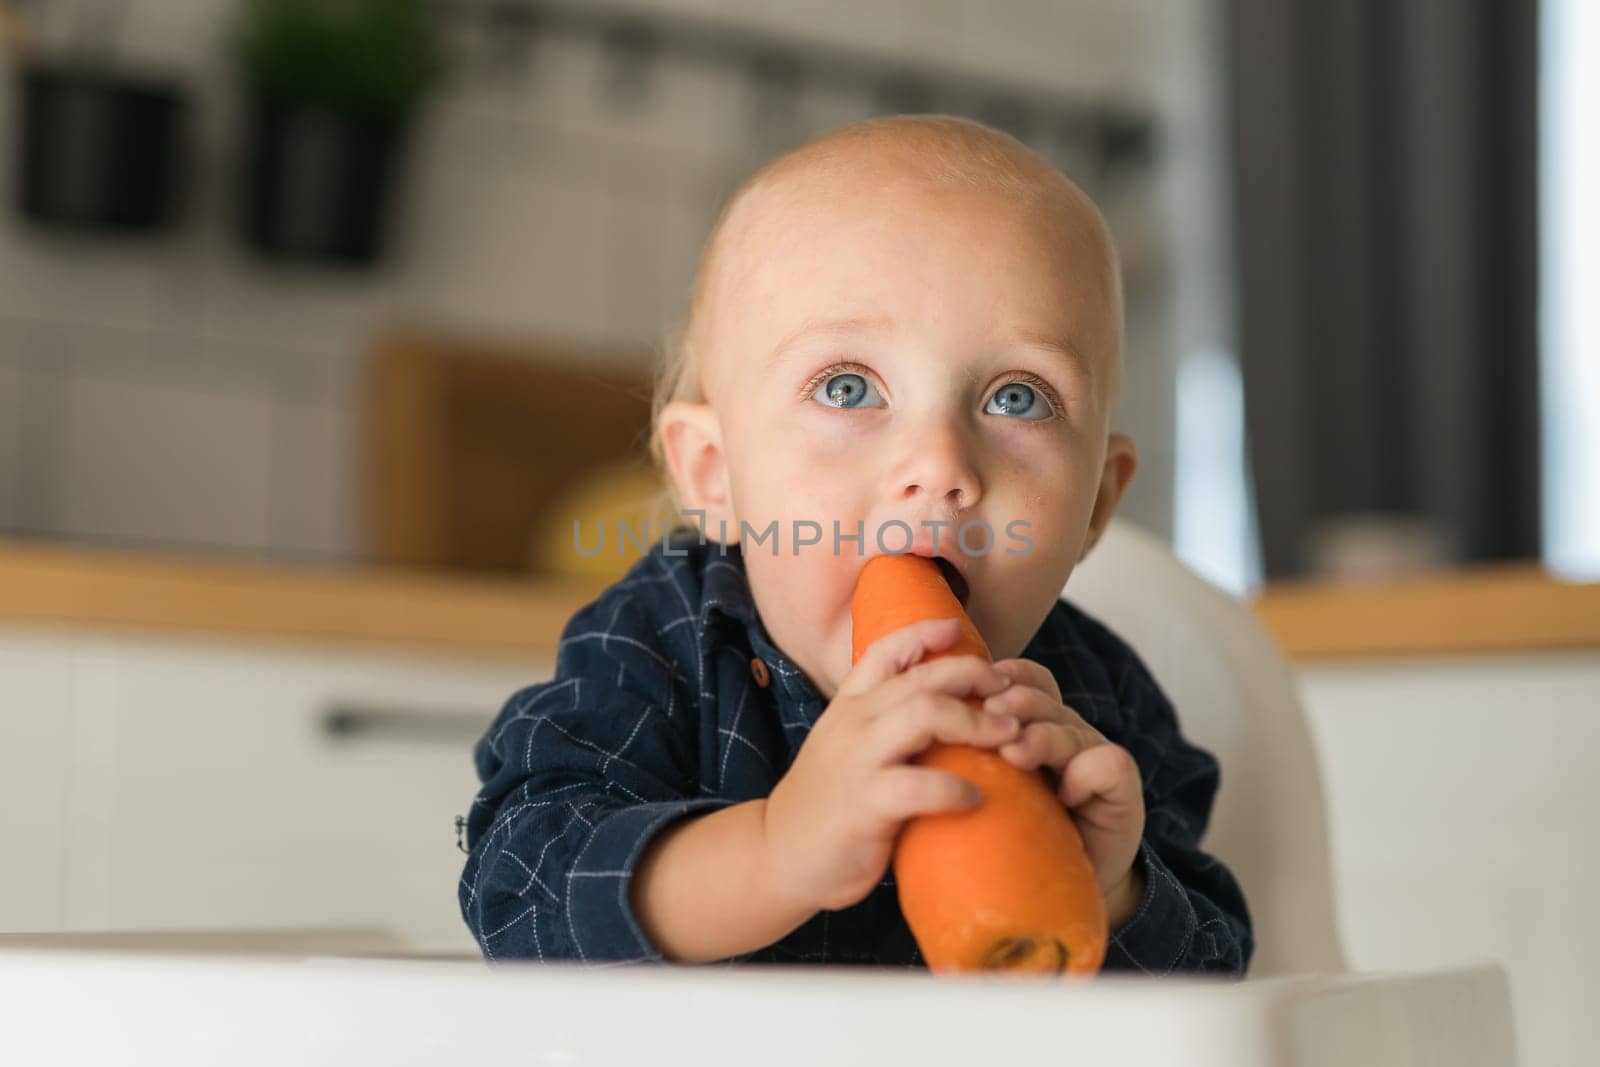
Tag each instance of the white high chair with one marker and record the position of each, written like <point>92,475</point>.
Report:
<point>1236,697</point>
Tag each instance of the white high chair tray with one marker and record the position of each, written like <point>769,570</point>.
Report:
<point>72,1006</point>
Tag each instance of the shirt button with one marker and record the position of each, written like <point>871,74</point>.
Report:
<point>758,671</point>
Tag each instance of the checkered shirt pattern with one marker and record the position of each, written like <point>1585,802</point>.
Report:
<point>654,714</point>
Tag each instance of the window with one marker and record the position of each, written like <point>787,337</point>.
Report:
<point>1569,298</point>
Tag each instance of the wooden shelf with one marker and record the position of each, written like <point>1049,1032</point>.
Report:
<point>497,618</point>
<point>1518,608</point>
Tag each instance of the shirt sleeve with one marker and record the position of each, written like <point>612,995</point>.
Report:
<point>578,775</point>
<point>1193,916</point>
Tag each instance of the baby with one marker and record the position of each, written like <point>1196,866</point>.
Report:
<point>904,335</point>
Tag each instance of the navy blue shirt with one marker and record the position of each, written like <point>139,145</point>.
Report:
<point>659,709</point>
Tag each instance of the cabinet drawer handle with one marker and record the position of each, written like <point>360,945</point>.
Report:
<point>363,722</point>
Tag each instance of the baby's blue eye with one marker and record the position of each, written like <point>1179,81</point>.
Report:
<point>1020,400</point>
<point>845,391</point>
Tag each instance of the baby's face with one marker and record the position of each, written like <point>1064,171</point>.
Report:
<point>894,355</point>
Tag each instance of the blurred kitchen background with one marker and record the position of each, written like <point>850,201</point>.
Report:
<point>201,380</point>
<point>321,321</point>
<point>223,214</point>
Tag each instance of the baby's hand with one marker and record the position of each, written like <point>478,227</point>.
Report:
<point>1097,780</point>
<point>832,820</point>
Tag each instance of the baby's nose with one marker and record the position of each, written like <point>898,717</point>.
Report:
<point>939,469</point>
<point>956,498</point>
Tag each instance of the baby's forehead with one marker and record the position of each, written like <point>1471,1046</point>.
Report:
<point>852,185</point>
<point>796,235</point>
<point>831,199</point>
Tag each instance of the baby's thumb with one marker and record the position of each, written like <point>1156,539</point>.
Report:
<point>895,651</point>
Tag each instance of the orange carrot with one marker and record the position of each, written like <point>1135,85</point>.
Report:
<point>1006,886</point>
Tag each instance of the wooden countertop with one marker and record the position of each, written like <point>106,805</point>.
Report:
<point>495,618</point>
<point>1510,608</point>
<point>1490,609</point>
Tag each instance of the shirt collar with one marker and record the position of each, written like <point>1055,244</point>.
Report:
<point>726,594</point>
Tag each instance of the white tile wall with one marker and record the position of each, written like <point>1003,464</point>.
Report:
<point>10,435</point>
<point>870,27</point>
<point>313,492</point>
<point>686,220</point>
<point>41,357</point>
<point>681,114</point>
<point>635,287</point>
<point>152,460</point>
<point>564,89</point>
<point>938,30</point>
<point>270,306</point>
<point>534,204</point>
<point>59,277</point>
<point>515,257</point>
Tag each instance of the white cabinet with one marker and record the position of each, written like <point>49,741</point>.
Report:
<point>35,739</point>
<point>214,784</point>
<point>1465,812</point>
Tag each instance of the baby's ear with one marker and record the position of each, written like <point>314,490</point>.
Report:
<point>1122,460</point>
<point>691,444</point>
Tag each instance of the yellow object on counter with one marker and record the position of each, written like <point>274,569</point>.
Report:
<point>624,494</point>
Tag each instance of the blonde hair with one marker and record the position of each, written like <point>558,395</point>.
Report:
<point>948,150</point>
<point>676,378</point>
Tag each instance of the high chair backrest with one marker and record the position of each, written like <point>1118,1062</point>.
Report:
<point>1235,696</point>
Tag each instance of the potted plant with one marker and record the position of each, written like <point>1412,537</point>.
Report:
<point>99,145</point>
<point>332,88</point>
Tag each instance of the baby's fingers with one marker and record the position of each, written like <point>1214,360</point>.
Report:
<point>1030,673</point>
<point>927,717</point>
<point>1032,706</point>
<point>1106,783</point>
<point>1047,744</point>
<point>956,676</point>
<point>903,792</point>
<point>892,653</point>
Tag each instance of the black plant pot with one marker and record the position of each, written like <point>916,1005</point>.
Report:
<point>98,149</point>
<point>318,180</point>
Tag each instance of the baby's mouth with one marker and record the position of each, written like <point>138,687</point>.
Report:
<point>953,578</point>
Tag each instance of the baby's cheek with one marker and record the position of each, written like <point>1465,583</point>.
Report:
<point>814,437</point>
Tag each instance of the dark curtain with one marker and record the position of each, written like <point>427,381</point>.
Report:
<point>1385,186</point>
